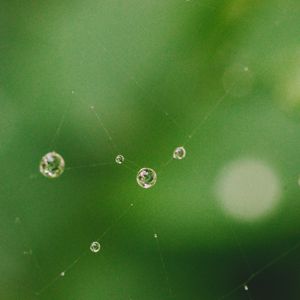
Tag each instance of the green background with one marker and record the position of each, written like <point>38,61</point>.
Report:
<point>227,72</point>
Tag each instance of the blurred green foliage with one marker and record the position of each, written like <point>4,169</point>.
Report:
<point>226,72</point>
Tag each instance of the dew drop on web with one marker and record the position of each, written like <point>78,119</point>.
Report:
<point>146,178</point>
<point>179,153</point>
<point>119,159</point>
<point>95,247</point>
<point>52,165</point>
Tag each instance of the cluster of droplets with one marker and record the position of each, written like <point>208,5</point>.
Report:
<point>52,165</point>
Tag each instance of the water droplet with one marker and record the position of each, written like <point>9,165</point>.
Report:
<point>52,165</point>
<point>179,153</point>
<point>120,159</point>
<point>62,274</point>
<point>146,178</point>
<point>155,235</point>
<point>95,247</point>
<point>246,287</point>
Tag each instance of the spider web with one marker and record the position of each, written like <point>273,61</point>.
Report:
<point>174,241</point>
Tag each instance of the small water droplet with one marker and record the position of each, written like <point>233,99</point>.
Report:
<point>179,153</point>
<point>62,274</point>
<point>146,178</point>
<point>52,165</point>
<point>246,287</point>
<point>120,159</point>
<point>95,247</point>
<point>155,235</point>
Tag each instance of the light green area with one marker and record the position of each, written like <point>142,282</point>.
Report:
<point>221,78</point>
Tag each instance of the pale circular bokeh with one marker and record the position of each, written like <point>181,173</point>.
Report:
<point>248,189</point>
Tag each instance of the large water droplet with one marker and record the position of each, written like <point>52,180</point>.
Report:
<point>52,165</point>
<point>146,178</point>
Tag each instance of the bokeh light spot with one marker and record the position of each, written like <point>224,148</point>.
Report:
<point>248,189</point>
